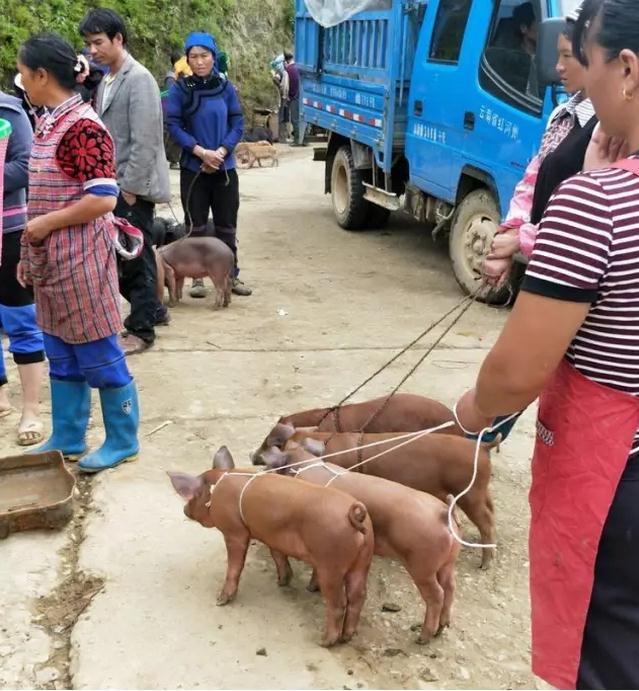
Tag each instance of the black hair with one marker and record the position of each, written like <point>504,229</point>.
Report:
<point>176,54</point>
<point>89,86</point>
<point>52,53</point>
<point>569,29</point>
<point>103,21</point>
<point>524,14</point>
<point>618,27</point>
<point>288,55</point>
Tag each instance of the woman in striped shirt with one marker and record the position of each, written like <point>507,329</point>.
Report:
<point>573,340</point>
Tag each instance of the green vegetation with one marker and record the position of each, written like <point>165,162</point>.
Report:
<point>250,31</point>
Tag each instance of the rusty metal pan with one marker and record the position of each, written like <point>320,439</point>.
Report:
<point>36,492</point>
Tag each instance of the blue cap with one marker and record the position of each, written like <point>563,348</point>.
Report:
<point>202,39</point>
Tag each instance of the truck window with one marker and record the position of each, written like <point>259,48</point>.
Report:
<point>508,68</point>
<point>448,34</point>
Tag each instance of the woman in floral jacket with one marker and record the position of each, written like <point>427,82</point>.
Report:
<point>68,255</point>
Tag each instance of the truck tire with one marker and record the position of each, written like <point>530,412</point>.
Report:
<point>347,192</point>
<point>471,234</point>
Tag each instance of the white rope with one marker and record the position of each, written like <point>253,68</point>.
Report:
<point>242,494</point>
<point>334,472</point>
<point>251,477</point>
<point>407,439</point>
<point>461,495</point>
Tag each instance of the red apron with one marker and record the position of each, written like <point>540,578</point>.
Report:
<point>585,432</point>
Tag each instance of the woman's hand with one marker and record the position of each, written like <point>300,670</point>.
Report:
<point>603,150</point>
<point>37,230</point>
<point>499,261</point>
<point>470,418</point>
<point>21,274</point>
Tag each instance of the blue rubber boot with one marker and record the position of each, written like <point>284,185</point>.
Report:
<point>121,415</point>
<point>70,410</point>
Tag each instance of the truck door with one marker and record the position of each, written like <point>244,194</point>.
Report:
<point>435,137</point>
<point>504,115</point>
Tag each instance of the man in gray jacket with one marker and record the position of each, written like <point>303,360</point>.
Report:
<point>128,101</point>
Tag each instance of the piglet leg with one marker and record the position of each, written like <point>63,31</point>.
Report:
<point>355,596</point>
<point>284,570</point>
<point>446,578</point>
<point>236,548</point>
<point>433,595</point>
<point>332,587</point>
<point>170,281</point>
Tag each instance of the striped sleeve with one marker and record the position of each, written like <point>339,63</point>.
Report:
<point>573,245</point>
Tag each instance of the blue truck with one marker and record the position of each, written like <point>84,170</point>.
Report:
<point>433,107</point>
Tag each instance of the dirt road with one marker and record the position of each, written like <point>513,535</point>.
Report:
<point>125,597</point>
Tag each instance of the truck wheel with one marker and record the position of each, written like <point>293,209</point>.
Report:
<point>471,234</point>
<point>349,205</point>
<point>377,217</point>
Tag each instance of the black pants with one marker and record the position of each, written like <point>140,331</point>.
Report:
<point>17,313</point>
<point>218,193</point>
<point>138,278</point>
<point>610,651</point>
<point>12,294</point>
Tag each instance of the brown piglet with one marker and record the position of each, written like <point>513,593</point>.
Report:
<point>439,464</point>
<point>409,526</point>
<point>403,412</point>
<point>196,257</point>
<point>324,527</point>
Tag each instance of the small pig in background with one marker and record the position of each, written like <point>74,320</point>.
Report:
<point>324,527</point>
<point>409,525</point>
<point>195,257</point>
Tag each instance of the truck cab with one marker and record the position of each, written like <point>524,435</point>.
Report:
<point>433,107</point>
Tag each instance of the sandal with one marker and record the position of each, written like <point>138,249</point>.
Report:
<point>31,434</point>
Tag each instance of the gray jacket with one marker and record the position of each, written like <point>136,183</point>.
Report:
<point>132,112</point>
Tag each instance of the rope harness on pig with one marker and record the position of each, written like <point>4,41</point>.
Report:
<point>320,464</point>
<point>404,439</point>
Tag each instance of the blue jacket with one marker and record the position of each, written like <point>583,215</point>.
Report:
<point>205,112</point>
<point>16,168</point>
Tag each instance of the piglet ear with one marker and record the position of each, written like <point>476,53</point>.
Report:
<point>280,434</point>
<point>314,446</point>
<point>187,486</point>
<point>223,459</point>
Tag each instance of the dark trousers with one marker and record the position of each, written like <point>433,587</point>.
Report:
<point>610,651</point>
<point>17,311</point>
<point>12,294</point>
<point>216,193</point>
<point>138,277</point>
<point>294,107</point>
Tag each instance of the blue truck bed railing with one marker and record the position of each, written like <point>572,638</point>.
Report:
<point>354,78</point>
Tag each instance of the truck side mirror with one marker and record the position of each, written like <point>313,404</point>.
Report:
<point>547,55</point>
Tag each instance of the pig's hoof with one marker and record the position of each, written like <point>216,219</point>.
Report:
<point>312,586</point>
<point>224,599</point>
<point>329,641</point>
<point>286,579</point>
<point>424,639</point>
<point>440,630</point>
<point>173,303</point>
<point>346,637</point>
